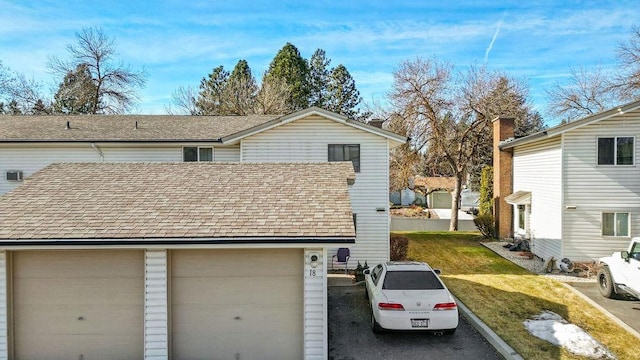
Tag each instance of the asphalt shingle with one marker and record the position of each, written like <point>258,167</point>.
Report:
<point>123,127</point>
<point>178,200</point>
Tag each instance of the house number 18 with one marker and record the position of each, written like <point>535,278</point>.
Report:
<point>312,272</point>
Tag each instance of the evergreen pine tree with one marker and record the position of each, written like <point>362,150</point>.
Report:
<point>290,66</point>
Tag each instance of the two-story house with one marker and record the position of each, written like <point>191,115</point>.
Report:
<point>185,237</point>
<point>573,189</point>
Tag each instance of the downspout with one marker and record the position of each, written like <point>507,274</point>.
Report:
<point>93,145</point>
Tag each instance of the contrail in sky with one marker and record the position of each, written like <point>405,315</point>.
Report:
<point>493,40</point>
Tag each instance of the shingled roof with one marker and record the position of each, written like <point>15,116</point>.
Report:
<point>181,201</point>
<point>435,182</point>
<point>125,127</point>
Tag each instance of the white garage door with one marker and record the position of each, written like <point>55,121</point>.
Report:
<point>441,200</point>
<point>78,304</point>
<point>237,304</point>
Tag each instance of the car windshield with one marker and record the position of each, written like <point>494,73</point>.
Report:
<point>411,280</point>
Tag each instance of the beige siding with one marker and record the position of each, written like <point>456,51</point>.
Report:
<point>156,311</point>
<point>595,189</point>
<point>224,153</point>
<point>142,154</point>
<point>30,158</point>
<point>307,140</point>
<point>315,306</point>
<point>230,304</point>
<point>537,168</point>
<point>78,304</point>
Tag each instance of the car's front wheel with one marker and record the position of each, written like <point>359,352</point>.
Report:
<point>375,327</point>
<point>605,282</point>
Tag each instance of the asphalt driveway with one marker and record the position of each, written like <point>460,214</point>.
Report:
<point>351,338</point>
<point>627,310</point>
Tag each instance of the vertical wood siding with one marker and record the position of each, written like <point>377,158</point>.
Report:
<point>156,317</point>
<point>537,168</point>
<point>307,140</point>
<point>315,306</point>
<point>4,327</point>
<point>594,189</point>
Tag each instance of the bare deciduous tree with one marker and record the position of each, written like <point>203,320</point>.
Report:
<point>22,95</point>
<point>587,93</point>
<point>273,97</point>
<point>184,98</point>
<point>628,54</point>
<point>115,86</point>
<point>451,114</point>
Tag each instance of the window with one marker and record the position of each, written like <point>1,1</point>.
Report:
<point>411,280</point>
<point>197,154</point>
<point>615,150</point>
<point>375,274</point>
<point>346,152</point>
<point>521,217</point>
<point>615,224</point>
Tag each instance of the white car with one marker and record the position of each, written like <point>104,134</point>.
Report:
<point>409,296</point>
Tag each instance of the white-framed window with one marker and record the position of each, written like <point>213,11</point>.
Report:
<point>197,153</point>
<point>346,152</point>
<point>616,150</point>
<point>615,224</point>
<point>521,217</point>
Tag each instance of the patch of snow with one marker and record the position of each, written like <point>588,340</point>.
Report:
<point>553,328</point>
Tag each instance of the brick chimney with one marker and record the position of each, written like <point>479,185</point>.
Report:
<point>503,129</point>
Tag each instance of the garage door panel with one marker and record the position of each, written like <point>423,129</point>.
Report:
<point>242,263</point>
<point>95,291</point>
<point>80,264</point>
<point>256,347</point>
<point>228,290</point>
<point>52,347</point>
<point>69,304</point>
<point>243,318</point>
<point>72,319</point>
<point>237,302</point>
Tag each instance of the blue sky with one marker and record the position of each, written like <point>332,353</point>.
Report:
<point>178,42</point>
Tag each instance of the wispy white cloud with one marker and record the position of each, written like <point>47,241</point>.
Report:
<point>493,39</point>
<point>180,42</point>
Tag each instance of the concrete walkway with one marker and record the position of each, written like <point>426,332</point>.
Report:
<point>446,214</point>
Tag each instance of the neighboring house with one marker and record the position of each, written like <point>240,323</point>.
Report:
<point>573,190</point>
<point>81,244</point>
<point>159,260</point>
<point>437,189</point>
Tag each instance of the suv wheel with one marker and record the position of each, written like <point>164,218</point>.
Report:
<point>605,283</point>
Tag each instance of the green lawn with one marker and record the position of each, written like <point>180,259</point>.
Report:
<point>503,295</point>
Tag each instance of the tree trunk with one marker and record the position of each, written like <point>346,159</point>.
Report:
<point>455,202</point>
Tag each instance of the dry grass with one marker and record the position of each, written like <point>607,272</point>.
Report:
<point>503,295</point>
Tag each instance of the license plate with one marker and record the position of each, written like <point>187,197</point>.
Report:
<point>419,323</point>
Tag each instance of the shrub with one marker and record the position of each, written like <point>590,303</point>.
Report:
<point>399,246</point>
<point>486,223</point>
<point>486,191</point>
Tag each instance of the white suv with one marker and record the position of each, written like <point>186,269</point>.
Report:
<point>620,272</point>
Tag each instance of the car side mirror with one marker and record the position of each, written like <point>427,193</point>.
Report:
<point>367,272</point>
<point>624,255</point>
<point>437,271</point>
